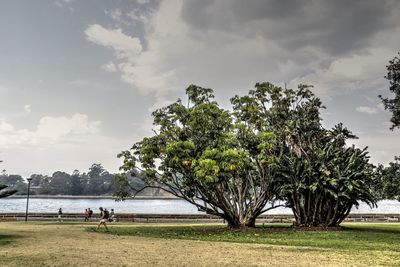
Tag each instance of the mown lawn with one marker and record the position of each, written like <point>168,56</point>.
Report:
<point>352,237</point>
<point>6,239</point>
<point>78,244</point>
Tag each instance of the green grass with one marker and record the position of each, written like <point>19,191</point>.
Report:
<point>63,244</point>
<point>353,237</point>
<point>6,239</point>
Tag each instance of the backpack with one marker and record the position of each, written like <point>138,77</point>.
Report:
<point>106,214</point>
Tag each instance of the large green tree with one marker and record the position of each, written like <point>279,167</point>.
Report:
<point>393,104</point>
<point>271,146</point>
<point>76,183</point>
<point>326,180</point>
<point>220,161</point>
<point>389,185</point>
<point>60,183</point>
<point>322,179</point>
<point>99,180</point>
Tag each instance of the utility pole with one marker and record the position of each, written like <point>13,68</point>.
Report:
<point>27,198</point>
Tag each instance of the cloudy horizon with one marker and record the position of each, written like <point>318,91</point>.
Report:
<point>79,79</point>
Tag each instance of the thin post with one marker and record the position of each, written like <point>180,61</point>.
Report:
<point>27,199</point>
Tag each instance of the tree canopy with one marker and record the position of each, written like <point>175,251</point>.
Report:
<point>270,146</point>
<point>220,161</point>
<point>321,179</point>
<point>389,185</point>
<point>393,104</point>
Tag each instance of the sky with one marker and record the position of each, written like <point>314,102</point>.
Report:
<point>79,79</point>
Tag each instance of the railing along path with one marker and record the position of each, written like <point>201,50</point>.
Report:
<point>188,218</point>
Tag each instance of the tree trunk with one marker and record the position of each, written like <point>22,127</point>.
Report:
<point>248,222</point>
<point>330,214</point>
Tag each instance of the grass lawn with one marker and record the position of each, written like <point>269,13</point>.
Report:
<point>77,244</point>
<point>6,239</point>
<point>353,237</point>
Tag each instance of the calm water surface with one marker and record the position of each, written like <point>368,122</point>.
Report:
<point>159,206</point>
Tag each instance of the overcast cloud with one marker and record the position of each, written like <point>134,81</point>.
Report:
<point>80,78</point>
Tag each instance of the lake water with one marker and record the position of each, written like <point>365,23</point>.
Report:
<point>158,206</point>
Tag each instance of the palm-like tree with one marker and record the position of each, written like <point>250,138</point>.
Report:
<point>325,182</point>
<point>5,191</point>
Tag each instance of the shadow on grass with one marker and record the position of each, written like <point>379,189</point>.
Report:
<point>62,223</point>
<point>101,230</point>
<point>379,229</point>
<point>352,238</point>
<point>6,239</point>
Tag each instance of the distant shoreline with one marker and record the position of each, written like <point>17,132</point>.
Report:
<point>90,197</point>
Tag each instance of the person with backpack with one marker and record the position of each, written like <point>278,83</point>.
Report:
<point>104,215</point>
<point>90,213</point>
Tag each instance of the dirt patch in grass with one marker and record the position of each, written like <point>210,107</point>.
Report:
<point>73,245</point>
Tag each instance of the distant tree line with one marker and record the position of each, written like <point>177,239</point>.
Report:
<point>97,181</point>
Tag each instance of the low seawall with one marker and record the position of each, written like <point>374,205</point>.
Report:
<point>89,197</point>
<point>188,218</point>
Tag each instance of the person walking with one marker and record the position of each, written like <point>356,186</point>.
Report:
<point>90,213</point>
<point>59,215</point>
<point>104,214</point>
<point>86,215</point>
<point>112,216</point>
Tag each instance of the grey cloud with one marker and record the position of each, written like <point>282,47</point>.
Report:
<point>230,14</point>
<point>335,27</point>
